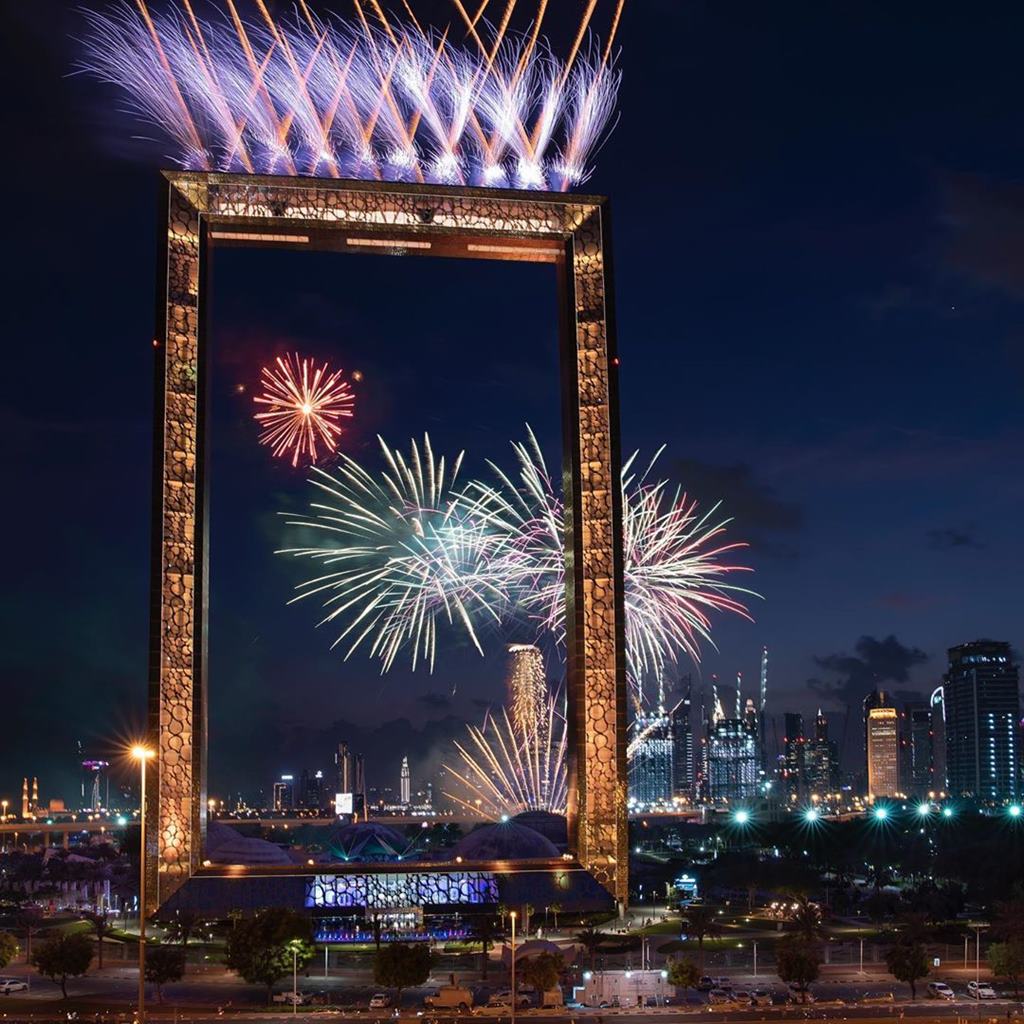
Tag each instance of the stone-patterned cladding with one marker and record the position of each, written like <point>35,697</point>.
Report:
<point>597,692</point>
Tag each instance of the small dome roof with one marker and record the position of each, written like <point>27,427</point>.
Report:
<point>551,826</point>
<point>506,840</point>
<point>224,845</point>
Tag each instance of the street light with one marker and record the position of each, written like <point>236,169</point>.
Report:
<point>924,809</point>
<point>811,814</point>
<point>142,754</point>
<point>741,817</point>
<point>881,813</point>
<point>1014,810</point>
<point>295,944</point>
<point>512,914</point>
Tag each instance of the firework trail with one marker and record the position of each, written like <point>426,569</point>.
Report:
<point>400,555</point>
<point>409,549</point>
<point>303,406</point>
<point>506,770</point>
<point>674,575</point>
<point>372,98</point>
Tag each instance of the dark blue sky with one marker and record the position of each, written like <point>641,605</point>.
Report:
<point>820,281</point>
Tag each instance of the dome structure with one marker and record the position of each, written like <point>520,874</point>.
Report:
<point>224,845</point>
<point>551,826</point>
<point>369,841</point>
<point>506,840</point>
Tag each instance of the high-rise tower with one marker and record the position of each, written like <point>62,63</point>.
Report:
<point>405,783</point>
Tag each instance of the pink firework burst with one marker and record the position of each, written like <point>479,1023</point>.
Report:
<point>303,408</point>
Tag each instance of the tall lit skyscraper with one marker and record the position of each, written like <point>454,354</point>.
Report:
<point>405,783</point>
<point>284,793</point>
<point>794,768</point>
<point>821,759</point>
<point>651,772</point>
<point>917,769</point>
<point>982,708</point>
<point>733,754</point>
<point>882,743</point>
<point>683,764</point>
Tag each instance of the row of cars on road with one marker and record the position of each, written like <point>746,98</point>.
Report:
<point>975,990</point>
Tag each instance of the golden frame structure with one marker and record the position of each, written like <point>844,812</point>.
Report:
<point>201,210</point>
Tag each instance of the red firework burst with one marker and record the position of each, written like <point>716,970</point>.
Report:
<point>305,406</point>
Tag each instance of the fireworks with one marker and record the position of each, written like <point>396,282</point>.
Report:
<point>409,549</point>
<point>506,769</point>
<point>373,98</point>
<point>304,406</point>
<point>401,556</point>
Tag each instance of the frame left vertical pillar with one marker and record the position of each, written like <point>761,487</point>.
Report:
<point>176,803</point>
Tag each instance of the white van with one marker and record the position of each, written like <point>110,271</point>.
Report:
<point>449,997</point>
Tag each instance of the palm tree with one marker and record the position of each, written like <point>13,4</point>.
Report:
<point>590,939</point>
<point>556,909</point>
<point>806,919</point>
<point>528,910</point>
<point>377,928</point>
<point>101,926</point>
<point>701,923</point>
<point>485,933</point>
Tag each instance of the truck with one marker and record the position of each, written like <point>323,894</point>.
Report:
<point>552,999</point>
<point>449,997</point>
<point>624,988</point>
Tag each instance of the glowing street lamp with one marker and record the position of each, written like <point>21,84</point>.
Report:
<point>742,817</point>
<point>924,809</point>
<point>1014,810</point>
<point>512,915</point>
<point>142,754</point>
<point>947,812</point>
<point>811,815</point>
<point>881,813</point>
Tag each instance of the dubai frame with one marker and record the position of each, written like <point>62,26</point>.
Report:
<point>205,210</point>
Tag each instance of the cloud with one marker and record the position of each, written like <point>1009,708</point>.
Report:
<point>434,701</point>
<point>949,537</point>
<point>874,663</point>
<point>985,221</point>
<point>759,513</point>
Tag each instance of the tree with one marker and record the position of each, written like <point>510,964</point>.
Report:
<point>590,939</point>
<point>400,966</point>
<point>63,956</point>
<point>164,964</point>
<point>798,963</point>
<point>377,930</point>
<point>183,925</point>
<point>8,948</point>
<point>101,926</point>
<point>556,909</point>
<point>485,933</point>
<point>31,920</point>
<point>262,948</point>
<point>701,923</point>
<point>684,974</point>
<point>806,919</point>
<point>907,962</point>
<point>1007,961</point>
<point>542,971</point>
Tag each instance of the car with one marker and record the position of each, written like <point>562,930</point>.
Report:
<point>449,997</point>
<point>742,996</point>
<point>380,1001</point>
<point>980,990</point>
<point>9,985</point>
<point>760,997</point>
<point>940,990</point>
<point>504,998</point>
<point>290,998</point>
<point>721,997</point>
<point>706,983</point>
<point>722,982</point>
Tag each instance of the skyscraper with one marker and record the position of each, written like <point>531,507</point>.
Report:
<point>405,783</point>
<point>882,745</point>
<point>311,790</point>
<point>982,708</point>
<point>284,793</point>
<point>683,765</point>
<point>733,757</point>
<point>794,768</point>
<point>651,766</point>
<point>343,765</point>
<point>821,759</point>
<point>918,765</point>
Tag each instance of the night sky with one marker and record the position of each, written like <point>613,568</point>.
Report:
<point>819,214</point>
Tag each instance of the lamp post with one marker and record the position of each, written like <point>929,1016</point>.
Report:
<point>512,915</point>
<point>295,977</point>
<point>142,754</point>
<point>755,959</point>
<point>862,956</point>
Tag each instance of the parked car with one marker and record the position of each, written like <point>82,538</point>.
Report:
<point>449,997</point>
<point>9,985</point>
<point>706,983</point>
<point>504,998</point>
<point>980,990</point>
<point>720,997</point>
<point>742,996</point>
<point>940,990</point>
<point>290,998</point>
<point>760,997</point>
<point>380,1001</point>
<point>723,982</point>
